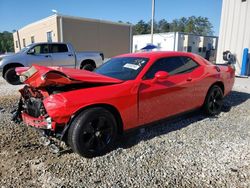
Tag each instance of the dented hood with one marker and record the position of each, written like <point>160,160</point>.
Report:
<point>40,76</point>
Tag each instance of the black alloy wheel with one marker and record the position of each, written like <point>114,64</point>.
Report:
<point>93,132</point>
<point>214,101</point>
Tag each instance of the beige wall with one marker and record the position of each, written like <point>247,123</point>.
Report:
<point>38,30</point>
<point>93,35</point>
<point>84,34</point>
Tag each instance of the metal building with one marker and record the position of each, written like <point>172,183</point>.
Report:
<point>178,41</point>
<point>234,30</point>
<point>84,34</point>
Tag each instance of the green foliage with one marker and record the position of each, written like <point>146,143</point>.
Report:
<point>195,25</point>
<point>141,28</point>
<point>6,42</point>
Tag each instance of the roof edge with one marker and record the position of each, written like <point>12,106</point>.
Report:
<point>74,18</point>
<point>92,19</point>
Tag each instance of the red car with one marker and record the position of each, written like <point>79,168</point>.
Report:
<point>89,109</point>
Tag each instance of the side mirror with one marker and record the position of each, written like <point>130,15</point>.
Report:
<point>161,75</point>
<point>31,51</point>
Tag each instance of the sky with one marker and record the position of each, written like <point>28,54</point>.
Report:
<point>14,14</point>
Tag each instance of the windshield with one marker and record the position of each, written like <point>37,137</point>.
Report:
<point>123,68</point>
<point>25,48</point>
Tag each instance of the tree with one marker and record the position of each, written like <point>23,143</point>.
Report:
<point>195,25</point>
<point>6,42</point>
<point>163,26</point>
<point>203,26</point>
<point>141,28</point>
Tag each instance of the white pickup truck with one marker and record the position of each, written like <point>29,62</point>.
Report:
<point>48,54</point>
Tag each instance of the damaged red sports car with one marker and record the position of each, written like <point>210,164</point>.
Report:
<point>88,110</point>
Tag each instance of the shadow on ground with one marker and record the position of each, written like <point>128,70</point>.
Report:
<point>135,136</point>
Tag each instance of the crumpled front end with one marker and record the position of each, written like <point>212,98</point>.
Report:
<point>31,109</point>
<point>42,104</point>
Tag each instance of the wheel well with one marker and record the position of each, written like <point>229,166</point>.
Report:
<point>6,67</point>
<point>88,61</point>
<point>220,84</point>
<point>108,107</point>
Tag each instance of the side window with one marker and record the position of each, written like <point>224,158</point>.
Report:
<point>164,64</point>
<point>187,66</point>
<point>41,49</point>
<point>59,48</point>
<point>172,65</point>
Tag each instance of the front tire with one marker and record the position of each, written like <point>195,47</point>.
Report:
<point>11,77</point>
<point>93,132</point>
<point>214,101</point>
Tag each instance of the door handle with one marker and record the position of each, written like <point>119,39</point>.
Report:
<point>47,56</point>
<point>70,54</point>
<point>189,79</point>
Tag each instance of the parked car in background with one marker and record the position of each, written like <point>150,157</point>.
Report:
<point>48,54</point>
<point>88,109</point>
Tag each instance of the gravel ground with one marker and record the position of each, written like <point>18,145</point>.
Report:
<point>190,151</point>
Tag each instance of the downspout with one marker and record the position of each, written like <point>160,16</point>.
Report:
<point>18,38</point>
<point>61,28</point>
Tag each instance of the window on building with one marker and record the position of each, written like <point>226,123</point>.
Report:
<point>59,48</point>
<point>24,43</point>
<point>49,36</point>
<point>189,49</point>
<point>16,44</point>
<point>243,0</point>
<point>200,49</point>
<point>136,47</point>
<point>32,39</point>
<point>172,65</point>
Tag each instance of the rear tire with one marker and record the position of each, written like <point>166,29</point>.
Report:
<point>88,67</point>
<point>214,101</point>
<point>92,132</point>
<point>11,77</point>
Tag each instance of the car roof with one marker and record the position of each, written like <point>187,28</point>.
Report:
<point>48,43</point>
<point>153,54</point>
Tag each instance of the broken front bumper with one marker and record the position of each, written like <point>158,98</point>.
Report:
<point>40,122</point>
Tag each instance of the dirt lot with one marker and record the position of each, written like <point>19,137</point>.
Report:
<point>190,151</point>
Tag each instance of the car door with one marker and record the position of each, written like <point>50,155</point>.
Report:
<point>40,54</point>
<point>62,56</point>
<point>162,98</point>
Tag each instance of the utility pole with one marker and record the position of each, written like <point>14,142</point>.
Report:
<point>152,21</point>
